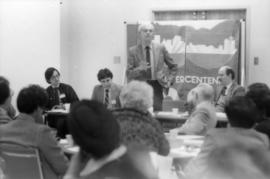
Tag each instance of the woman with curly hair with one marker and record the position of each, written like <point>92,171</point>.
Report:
<point>136,122</point>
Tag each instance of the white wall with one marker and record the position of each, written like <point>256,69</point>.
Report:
<point>29,40</point>
<point>96,33</point>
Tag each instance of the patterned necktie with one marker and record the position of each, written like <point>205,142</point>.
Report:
<point>106,99</point>
<point>223,91</point>
<point>148,60</point>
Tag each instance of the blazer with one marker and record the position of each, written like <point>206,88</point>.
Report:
<point>234,90</point>
<point>25,131</point>
<point>98,95</point>
<point>160,58</point>
<point>69,95</point>
<point>201,120</point>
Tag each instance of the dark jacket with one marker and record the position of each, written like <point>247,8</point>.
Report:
<point>67,95</point>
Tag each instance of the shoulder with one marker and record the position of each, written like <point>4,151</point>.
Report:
<point>116,86</point>
<point>98,87</point>
<point>133,48</point>
<point>64,85</point>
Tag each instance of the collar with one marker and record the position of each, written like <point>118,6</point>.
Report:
<point>229,85</point>
<point>144,46</point>
<point>93,165</point>
<point>24,116</point>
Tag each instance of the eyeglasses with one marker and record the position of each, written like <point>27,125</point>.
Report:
<point>55,77</point>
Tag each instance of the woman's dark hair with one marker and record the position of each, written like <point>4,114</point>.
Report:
<point>49,73</point>
<point>104,73</point>
<point>30,98</point>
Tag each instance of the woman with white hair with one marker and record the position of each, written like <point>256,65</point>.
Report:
<point>136,122</point>
<point>203,113</point>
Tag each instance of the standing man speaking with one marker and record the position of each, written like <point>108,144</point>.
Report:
<point>148,59</point>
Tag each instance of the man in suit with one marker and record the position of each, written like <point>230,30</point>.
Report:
<point>146,59</point>
<point>107,92</point>
<point>27,129</point>
<point>228,87</point>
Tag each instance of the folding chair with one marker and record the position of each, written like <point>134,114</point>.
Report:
<point>21,162</point>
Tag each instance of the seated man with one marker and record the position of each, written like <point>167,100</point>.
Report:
<point>107,92</point>
<point>203,115</point>
<point>28,130</point>
<point>5,101</point>
<point>228,87</point>
<point>241,113</point>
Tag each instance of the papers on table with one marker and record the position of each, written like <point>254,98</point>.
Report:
<point>168,114</point>
<point>58,111</point>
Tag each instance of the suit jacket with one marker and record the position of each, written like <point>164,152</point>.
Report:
<point>234,90</point>
<point>69,95</point>
<point>201,120</point>
<point>25,131</point>
<point>220,138</point>
<point>160,58</point>
<point>98,95</point>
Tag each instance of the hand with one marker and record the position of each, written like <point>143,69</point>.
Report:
<point>143,66</point>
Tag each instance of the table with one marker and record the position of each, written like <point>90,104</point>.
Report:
<point>170,120</point>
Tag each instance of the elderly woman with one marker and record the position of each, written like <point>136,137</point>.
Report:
<point>203,113</point>
<point>137,124</point>
<point>59,93</point>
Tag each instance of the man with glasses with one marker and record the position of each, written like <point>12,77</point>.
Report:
<point>106,92</point>
<point>147,59</point>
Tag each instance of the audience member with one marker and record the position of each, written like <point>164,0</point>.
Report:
<point>136,122</point>
<point>203,115</point>
<point>107,92</point>
<point>228,87</point>
<point>237,160</point>
<point>28,130</point>
<point>59,94</point>
<point>5,101</point>
<point>241,113</point>
<point>260,94</point>
<point>146,59</point>
<point>101,155</point>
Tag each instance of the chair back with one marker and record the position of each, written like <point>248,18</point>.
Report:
<point>21,162</point>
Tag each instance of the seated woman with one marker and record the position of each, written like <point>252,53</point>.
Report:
<point>102,155</point>
<point>203,113</point>
<point>136,122</point>
<point>59,94</point>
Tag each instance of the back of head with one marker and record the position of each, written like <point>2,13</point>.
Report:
<point>259,93</point>
<point>94,128</point>
<point>137,94</point>
<point>30,98</point>
<point>241,112</point>
<point>4,90</point>
<point>104,73</point>
<point>205,91</point>
<point>49,72</point>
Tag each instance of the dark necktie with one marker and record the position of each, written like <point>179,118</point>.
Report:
<point>56,96</point>
<point>106,99</point>
<point>148,60</point>
<point>223,91</point>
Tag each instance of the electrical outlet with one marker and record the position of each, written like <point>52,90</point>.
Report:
<point>256,60</point>
<point>116,59</point>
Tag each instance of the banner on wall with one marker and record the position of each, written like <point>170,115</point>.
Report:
<point>199,48</point>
